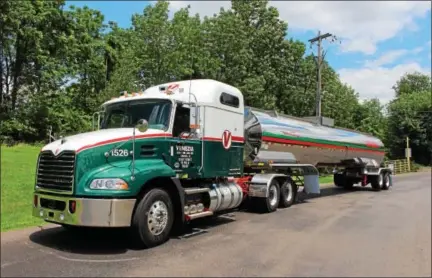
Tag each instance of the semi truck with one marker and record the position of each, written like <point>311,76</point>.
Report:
<point>179,151</point>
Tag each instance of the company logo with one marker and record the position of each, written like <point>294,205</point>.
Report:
<point>226,139</point>
<point>56,151</point>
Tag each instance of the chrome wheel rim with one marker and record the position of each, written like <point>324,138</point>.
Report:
<point>288,192</point>
<point>273,195</point>
<point>380,179</point>
<point>157,218</point>
<point>387,181</point>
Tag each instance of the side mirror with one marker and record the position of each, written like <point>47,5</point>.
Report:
<point>142,125</point>
<point>96,123</point>
<point>194,117</point>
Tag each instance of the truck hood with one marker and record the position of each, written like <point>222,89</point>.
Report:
<point>97,138</point>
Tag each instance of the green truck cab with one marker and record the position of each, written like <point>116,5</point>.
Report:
<point>147,153</point>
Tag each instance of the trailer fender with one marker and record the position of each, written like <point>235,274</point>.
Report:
<point>260,183</point>
<point>308,171</point>
<point>385,170</point>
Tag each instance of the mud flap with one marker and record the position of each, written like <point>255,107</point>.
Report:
<point>311,184</point>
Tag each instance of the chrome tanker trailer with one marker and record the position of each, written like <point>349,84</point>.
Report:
<point>184,150</point>
<point>307,142</point>
<point>355,156</point>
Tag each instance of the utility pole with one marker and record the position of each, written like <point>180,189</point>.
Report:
<point>318,61</point>
<point>408,154</point>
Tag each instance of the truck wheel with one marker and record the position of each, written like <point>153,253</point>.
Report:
<point>377,182</point>
<point>270,203</point>
<point>288,192</point>
<point>153,218</point>
<point>386,182</point>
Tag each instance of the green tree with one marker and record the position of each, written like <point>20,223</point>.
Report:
<point>58,65</point>
<point>410,116</point>
<point>413,83</point>
<point>369,118</point>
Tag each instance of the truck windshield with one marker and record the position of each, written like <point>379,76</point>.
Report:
<point>127,113</point>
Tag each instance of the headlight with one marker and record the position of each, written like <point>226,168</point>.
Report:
<point>109,184</point>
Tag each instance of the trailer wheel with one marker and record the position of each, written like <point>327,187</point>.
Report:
<point>153,218</point>
<point>348,183</point>
<point>386,182</point>
<point>341,180</point>
<point>338,180</point>
<point>288,192</point>
<point>377,182</point>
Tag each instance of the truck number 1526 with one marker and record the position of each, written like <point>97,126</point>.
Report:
<point>119,152</point>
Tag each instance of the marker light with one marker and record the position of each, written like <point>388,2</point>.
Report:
<point>72,206</point>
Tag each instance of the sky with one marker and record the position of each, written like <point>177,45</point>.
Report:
<point>378,41</point>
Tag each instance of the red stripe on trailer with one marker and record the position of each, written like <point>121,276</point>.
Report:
<point>312,144</point>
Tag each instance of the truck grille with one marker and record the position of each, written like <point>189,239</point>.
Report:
<point>56,172</point>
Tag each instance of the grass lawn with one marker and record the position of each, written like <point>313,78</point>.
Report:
<point>326,179</point>
<point>18,166</point>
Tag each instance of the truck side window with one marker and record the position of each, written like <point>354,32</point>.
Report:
<point>229,100</point>
<point>181,121</point>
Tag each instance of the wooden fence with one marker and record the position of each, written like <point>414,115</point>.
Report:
<point>400,166</point>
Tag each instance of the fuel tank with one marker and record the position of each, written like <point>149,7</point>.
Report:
<point>292,140</point>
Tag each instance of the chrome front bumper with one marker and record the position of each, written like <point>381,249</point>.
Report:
<point>88,212</point>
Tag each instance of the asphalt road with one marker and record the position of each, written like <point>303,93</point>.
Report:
<point>357,233</point>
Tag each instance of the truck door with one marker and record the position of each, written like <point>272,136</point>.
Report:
<point>185,152</point>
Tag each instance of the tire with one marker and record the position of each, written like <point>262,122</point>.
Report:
<point>341,180</point>
<point>386,182</point>
<point>271,203</point>
<point>377,182</point>
<point>338,180</point>
<point>348,184</point>
<point>288,193</point>
<point>156,202</point>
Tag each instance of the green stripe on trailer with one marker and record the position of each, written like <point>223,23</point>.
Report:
<point>325,143</point>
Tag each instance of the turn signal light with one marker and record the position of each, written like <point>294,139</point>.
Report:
<point>72,206</point>
<point>35,201</point>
